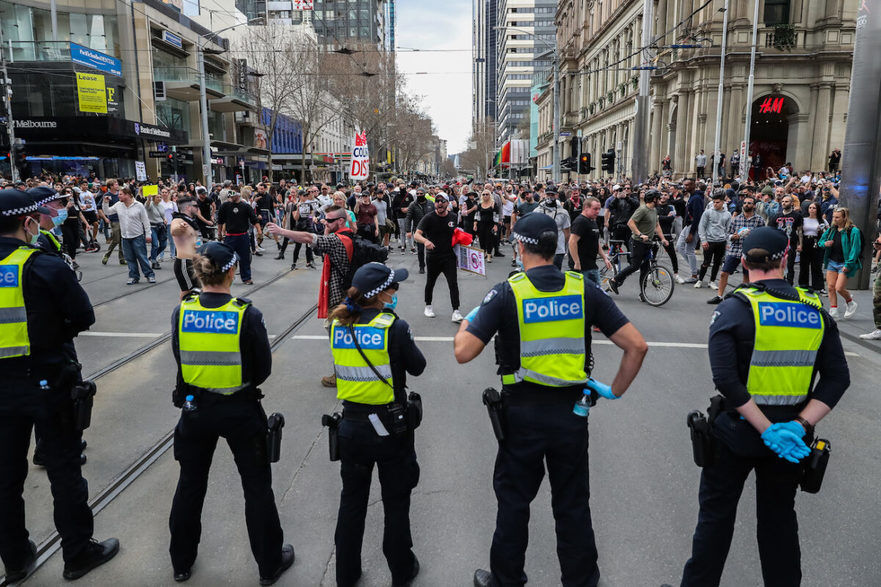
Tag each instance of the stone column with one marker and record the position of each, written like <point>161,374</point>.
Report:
<point>655,137</point>
<point>838,122</point>
<point>817,161</point>
<point>798,150</point>
<point>821,121</point>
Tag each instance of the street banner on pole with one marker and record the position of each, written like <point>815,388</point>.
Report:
<point>141,171</point>
<point>470,259</point>
<point>360,167</point>
<point>91,92</point>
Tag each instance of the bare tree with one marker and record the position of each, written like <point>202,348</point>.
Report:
<point>273,50</point>
<point>481,149</point>
<point>412,133</point>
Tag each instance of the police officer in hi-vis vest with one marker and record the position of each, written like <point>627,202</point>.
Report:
<point>44,196</point>
<point>222,352</point>
<point>543,318</point>
<point>373,350</point>
<point>768,342</point>
<point>42,309</point>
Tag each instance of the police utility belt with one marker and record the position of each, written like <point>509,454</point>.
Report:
<point>392,419</point>
<point>704,445</point>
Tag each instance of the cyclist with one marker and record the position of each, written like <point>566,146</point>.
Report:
<point>642,224</point>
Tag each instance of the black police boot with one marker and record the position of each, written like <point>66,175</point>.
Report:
<point>412,576</point>
<point>93,556</point>
<point>287,559</point>
<point>484,579</point>
<point>181,576</point>
<point>16,575</point>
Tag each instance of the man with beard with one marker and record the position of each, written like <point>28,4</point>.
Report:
<point>740,227</point>
<point>790,221</point>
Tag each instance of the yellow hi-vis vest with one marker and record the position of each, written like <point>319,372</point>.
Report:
<point>552,342</point>
<point>210,345</point>
<point>788,336</point>
<point>14,340</point>
<point>355,380</point>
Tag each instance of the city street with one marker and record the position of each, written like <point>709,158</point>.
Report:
<point>643,480</point>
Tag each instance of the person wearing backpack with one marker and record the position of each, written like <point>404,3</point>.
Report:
<point>843,243</point>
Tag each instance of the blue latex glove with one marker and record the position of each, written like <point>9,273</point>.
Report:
<point>472,314</point>
<point>785,443</point>
<point>601,388</point>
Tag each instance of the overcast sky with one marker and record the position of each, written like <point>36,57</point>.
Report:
<point>446,89</point>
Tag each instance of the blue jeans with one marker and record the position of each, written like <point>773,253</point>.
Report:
<point>135,251</point>
<point>160,239</point>
<point>242,246</point>
<point>592,274</point>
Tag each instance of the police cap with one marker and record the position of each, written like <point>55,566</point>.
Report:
<point>221,255</point>
<point>14,202</point>
<point>42,195</point>
<point>530,228</point>
<point>373,278</point>
<point>771,242</point>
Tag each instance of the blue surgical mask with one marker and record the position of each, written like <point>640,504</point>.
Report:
<point>59,220</point>
<point>33,238</point>
<point>392,304</point>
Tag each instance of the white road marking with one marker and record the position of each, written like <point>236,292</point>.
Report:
<point>123,334</point>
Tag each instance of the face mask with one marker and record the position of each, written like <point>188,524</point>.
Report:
<point>552,202</point>
<point>59,220</point>
<point>32,238</point>
<point>392,304</point>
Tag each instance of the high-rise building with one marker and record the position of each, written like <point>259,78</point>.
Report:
<point>355,22</point>
<point>526,39</point>
<point>483,67</point>
<point>391,20</point>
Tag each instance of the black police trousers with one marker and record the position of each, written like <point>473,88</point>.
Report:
<point>24,406</point>
<point>535,436</point>
<point>395,459</point>
<point>242,422</point>
<point>720,488</point>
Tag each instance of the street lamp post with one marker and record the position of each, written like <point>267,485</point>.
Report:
<point>10,121</point>
<point>744,168</point>
<point>551,49</point>
<point>718,137</point>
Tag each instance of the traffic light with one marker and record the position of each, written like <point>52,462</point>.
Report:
<point>20,159</point>
<point>584,167</point>
<point>567,164</point>
<point>608,161</point>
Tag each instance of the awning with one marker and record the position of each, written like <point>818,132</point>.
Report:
<point>547,167</point>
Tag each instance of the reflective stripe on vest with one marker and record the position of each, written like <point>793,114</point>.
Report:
<point>355,380</point>
<point>14,339</point>
<point>210,345</point>
<point>552,343</point>
<point>788,336</point>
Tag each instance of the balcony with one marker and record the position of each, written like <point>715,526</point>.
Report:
<point>236,100</point>
<point>38,51</point>
<point>182,83</point>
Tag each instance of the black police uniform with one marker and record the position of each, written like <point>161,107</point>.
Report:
<point>739,449</point>
<point>240,420</point>
<point>541,429</point>
<point>395,458</point>
<point>57,310</point>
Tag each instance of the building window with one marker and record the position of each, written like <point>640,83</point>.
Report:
<point>776,12</point>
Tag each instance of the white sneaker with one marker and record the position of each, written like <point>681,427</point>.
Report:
<point>678,279</point>
<point>833,311</point>
<point>874,335</point>
<point>714,285</point>
<point>697,284</point>
<point>457,316</point>
<point>429,311</point>
<point>260,249</point>
<point>851,308</point>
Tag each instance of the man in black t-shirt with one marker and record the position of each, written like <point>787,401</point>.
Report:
<point>584,241</point>
<point>435,231</point>
<point>790,221</point>
<point>205,212</point>
<point>234,219</point>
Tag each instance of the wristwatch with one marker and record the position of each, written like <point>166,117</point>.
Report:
<point>809,428</point>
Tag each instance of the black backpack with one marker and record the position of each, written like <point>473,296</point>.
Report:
<point>363,252</point>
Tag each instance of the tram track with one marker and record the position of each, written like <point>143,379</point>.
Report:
<point>49,546</point>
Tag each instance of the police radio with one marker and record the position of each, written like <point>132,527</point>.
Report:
<point>815,466</point>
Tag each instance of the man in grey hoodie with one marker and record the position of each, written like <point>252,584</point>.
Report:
<point>713,231</point>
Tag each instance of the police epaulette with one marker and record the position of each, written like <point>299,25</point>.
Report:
<point>516,276</point>
<point>241,302</point>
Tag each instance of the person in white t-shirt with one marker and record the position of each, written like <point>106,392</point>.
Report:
<point>90,211</point>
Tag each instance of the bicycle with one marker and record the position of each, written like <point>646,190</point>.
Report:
<point>656,286</point>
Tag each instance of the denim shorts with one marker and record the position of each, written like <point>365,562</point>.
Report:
<point>836,267</point>
<point>732,262</point>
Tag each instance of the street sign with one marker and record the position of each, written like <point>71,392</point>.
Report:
<point>565,133</point>
<point>157,154</point>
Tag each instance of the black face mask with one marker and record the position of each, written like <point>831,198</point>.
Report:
<point>550,201</point>
<point>421,197</point>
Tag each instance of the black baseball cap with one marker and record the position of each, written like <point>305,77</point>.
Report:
<point>373,278</point>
